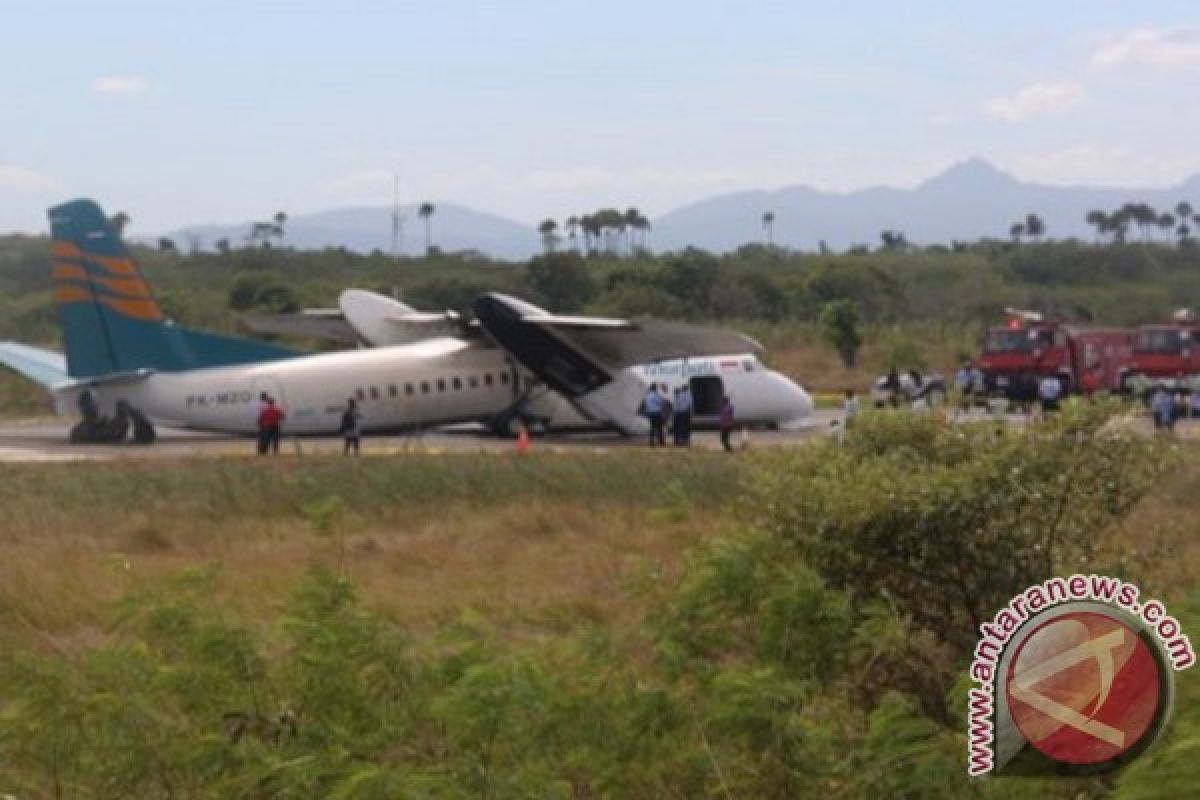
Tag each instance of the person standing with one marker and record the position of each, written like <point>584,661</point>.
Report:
<point>726,422</point>
<point>965,384</point>
<point>1049,391</point>
<point>270,422</point>
<point>261,435</point>
<point>1162,405</point>
<point>683,416</point>
<point>849,408</point>
<point>351,434</point>
<point>652,404</point>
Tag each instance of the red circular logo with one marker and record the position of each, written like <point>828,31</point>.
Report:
<point>1083,688</point>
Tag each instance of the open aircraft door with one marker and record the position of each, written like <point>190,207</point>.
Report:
<point>708,393</point>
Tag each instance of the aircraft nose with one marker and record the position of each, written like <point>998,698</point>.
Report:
<point>797,403</point>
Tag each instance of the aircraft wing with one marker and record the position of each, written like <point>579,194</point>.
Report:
<point>646,340</point>
<point>43,366</point>
<point>327,324</point>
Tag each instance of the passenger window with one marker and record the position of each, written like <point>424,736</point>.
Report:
<point>473,382</point>
<point>360,394</point>
<point>487,379</point>
<point>408,389</point>
<point>441,384</point>
<point>424,387</point>
<point>374,393</point>
<point>504,377</point>
<point>392,390</point>
<point>457,384</point>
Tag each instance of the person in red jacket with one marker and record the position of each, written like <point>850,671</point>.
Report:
<point>270,418</point>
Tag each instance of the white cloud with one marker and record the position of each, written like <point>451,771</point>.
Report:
<point>1096,164</point>
<point>1035,100</point>
<point>1170,48</point>
<point>120,85</point>
<point>21,179</point>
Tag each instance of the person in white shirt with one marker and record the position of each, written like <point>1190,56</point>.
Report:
<point>652,406</point>
<point>849,408</point>
<point>1049,391</point>
<point>682,419</point>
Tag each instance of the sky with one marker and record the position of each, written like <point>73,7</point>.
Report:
<point>187,113</point>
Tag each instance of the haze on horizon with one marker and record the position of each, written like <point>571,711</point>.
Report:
<point>183,114</point>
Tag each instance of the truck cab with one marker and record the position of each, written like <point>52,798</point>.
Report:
<point>1025,347</point>
<point>1028,349</point>
<point>1166,354</point>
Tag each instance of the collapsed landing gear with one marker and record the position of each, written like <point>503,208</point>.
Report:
<point>95,429</point>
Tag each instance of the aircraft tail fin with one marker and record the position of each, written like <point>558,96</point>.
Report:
<point>111,321</point>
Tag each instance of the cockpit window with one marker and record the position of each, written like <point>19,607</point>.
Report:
<point>1007,340</point>
<point>750,364</point>
<point>1159,340</point>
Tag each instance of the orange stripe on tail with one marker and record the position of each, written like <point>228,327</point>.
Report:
<point>138,309</point>
<point>71,294</point>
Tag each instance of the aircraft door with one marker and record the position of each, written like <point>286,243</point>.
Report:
<point>707,393</point>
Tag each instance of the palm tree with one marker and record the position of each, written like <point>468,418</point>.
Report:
<point>1166,221</point>
<point>1034,226</point>
<point>573,231</point>
<point>425,211</point>
<point>280,218</point>
<point>590,224</point>
<point>768,223</point>
<point>120,221</point>
<point>549,238</point>
<point>632,219</point>
<point>1100,221</point>
<point>642,225</point>
<point>1183,211</point>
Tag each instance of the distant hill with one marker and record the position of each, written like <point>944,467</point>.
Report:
<point>365,229</point>
<point>970,200</point>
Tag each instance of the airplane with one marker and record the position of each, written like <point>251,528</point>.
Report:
<point>126,364</point>
<point>625,357</point>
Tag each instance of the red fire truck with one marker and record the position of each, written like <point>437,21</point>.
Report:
<point>1029,348</point>
<point>1167,354</point>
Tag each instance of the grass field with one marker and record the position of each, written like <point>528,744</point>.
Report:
<point>530,543</point>
<point>144,601</point>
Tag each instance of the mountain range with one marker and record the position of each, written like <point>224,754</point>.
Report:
<point>968,201</point>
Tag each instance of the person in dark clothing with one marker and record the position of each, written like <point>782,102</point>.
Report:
<point>351,435</point>
<point>892,386</point>
<point>727,420</point>
<point>683,416</point>
<point>261,435</point>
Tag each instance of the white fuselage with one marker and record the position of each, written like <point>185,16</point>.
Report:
<point>435,382</point>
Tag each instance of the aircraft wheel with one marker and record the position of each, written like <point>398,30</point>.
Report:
<point>143,431</point>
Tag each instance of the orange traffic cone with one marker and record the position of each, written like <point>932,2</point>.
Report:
<point>523,443</point>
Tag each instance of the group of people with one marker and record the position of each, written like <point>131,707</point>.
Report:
<point>1167,406</point>
<point>270,424</point>
<point>1026,389</point>
<point>667,410</point>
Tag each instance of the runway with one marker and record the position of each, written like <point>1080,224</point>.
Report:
<point>37,441</point>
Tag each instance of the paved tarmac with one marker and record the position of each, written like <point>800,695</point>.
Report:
<point>28,441</point>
